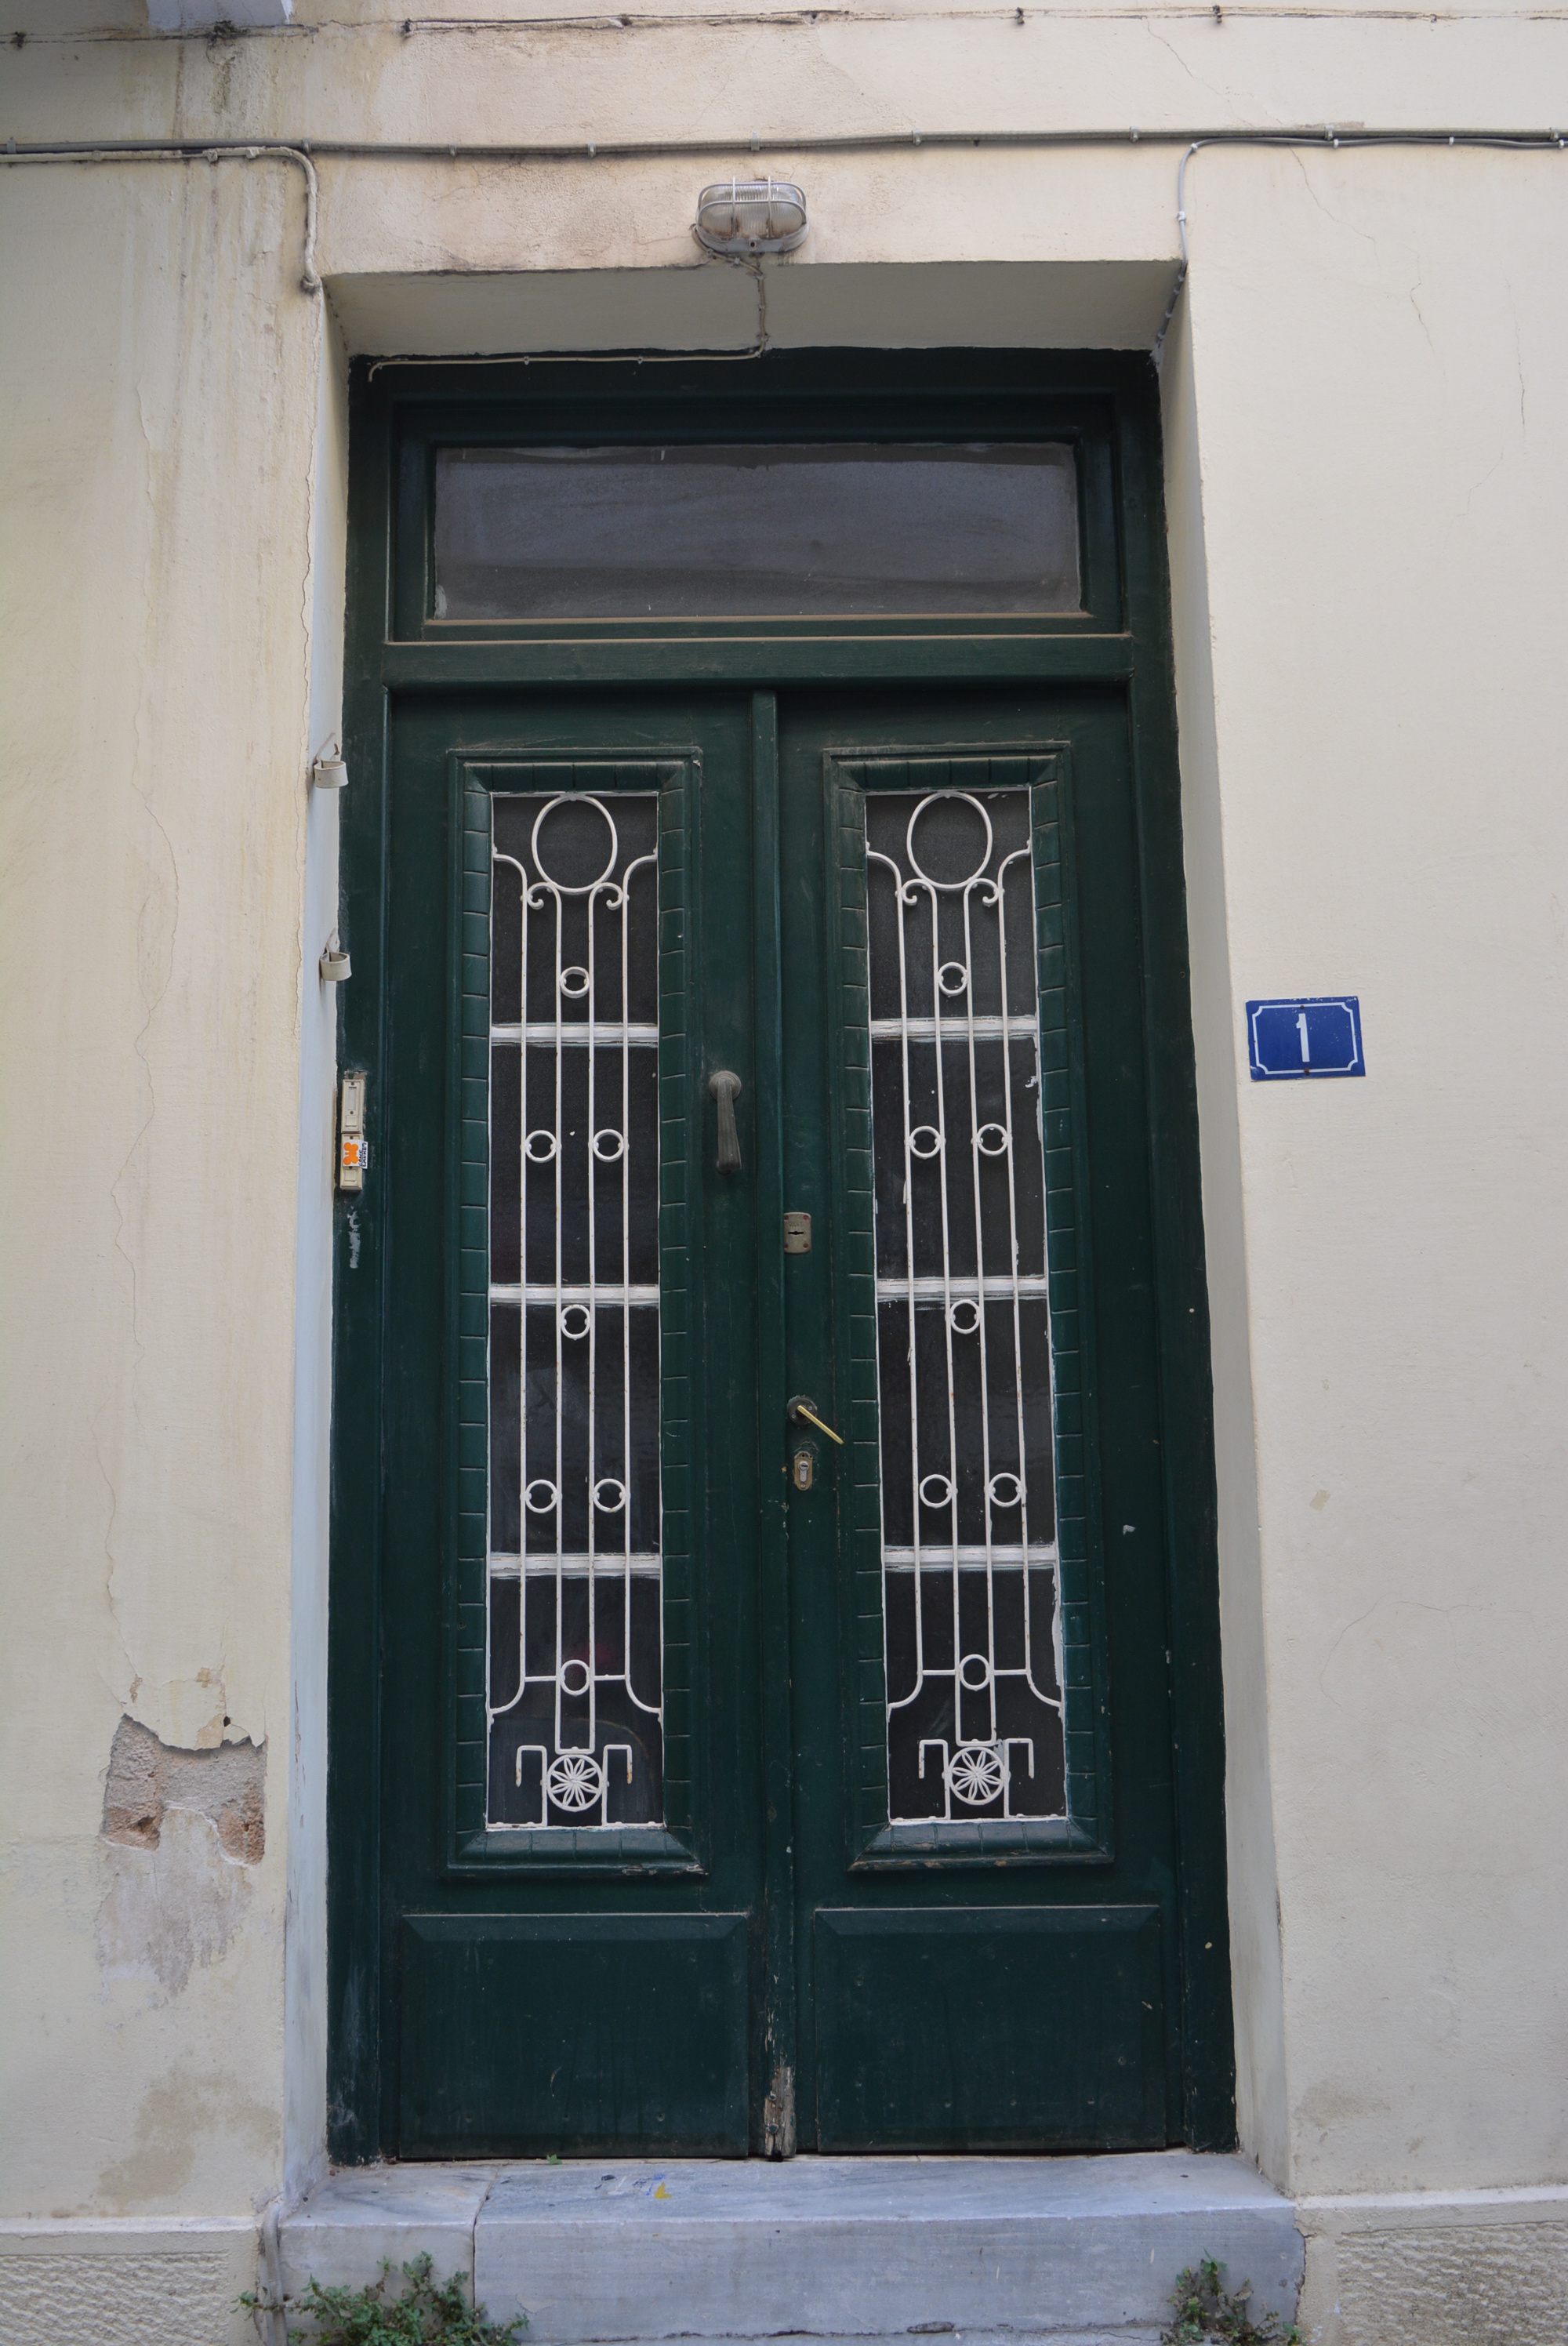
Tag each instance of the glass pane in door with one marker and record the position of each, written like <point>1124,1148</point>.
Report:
<point>575,1663</point>
<point>745,530</point>
<point>970,1594</point>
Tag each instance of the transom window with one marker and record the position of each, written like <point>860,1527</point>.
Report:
<point>853,529</point>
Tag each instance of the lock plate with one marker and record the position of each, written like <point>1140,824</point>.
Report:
<point>802,1468</point>
<point>796,1233</point>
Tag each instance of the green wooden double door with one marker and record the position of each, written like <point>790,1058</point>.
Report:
<point>776,1718</point>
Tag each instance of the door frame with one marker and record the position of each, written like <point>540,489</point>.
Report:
<point>1108,405</point>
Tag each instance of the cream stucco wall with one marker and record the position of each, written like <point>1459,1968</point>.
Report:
<point>1365,390</point>
<point>1383,403</point>
<point>174,502</point>
<point>161,413</point>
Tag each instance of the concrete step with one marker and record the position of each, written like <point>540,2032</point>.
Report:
<point>987,2251</point>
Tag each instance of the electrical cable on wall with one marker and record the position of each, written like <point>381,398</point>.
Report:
<point>1524,142</point>
<point>164,151</point>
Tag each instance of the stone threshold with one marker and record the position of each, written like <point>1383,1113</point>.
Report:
<point>1080,2251</point>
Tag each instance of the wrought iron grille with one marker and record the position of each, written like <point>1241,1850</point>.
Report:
<point>574,1659</point>
<point>971,1587</point>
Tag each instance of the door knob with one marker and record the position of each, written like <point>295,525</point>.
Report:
<point>725,1086</point>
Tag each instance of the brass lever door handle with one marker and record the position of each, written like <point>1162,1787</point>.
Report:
<point>725,1086</point>
<point>803,1409</point>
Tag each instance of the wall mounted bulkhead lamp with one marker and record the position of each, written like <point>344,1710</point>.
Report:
<point>750,216</point>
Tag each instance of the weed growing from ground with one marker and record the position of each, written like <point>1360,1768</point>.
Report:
<point>1205,2312</point>
<point>424,2315</point>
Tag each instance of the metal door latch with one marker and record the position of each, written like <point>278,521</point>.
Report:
<point>353,1150</point>
<point>796,1233</point>
<point>725,1086</point>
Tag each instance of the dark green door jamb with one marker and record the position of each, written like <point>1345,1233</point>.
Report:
<point>779,2062</point>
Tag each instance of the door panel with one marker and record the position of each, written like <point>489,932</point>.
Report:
<point>521,2032</point>
<point>905,2056</point>
<point>977,1835</point>
<point>570,1768</point>
<point>598,1934</point>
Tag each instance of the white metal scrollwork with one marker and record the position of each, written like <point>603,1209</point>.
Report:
<point>970,1596</point>
<point>574,1659</point>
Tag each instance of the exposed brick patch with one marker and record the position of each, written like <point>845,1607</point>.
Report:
<point>226,1785</point>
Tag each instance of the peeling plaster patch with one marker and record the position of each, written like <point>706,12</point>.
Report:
<point>169,1908</point>
<point>191,1713</point>
<point>186,1828</point>
<point>225,1784</point>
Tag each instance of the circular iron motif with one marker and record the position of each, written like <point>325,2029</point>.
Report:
<point>576,1781</point>
<point>975,1774</point>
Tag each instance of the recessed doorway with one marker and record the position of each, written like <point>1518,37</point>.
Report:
<point>773,1561</point>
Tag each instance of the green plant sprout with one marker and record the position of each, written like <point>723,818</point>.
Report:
<point>1207,2311</point>
<point>424,2315</point>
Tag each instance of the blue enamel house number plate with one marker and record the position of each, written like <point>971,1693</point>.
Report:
<point>1305,1035</point>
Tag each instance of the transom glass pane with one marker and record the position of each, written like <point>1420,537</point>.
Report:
<point>575,1606</point>
<point>854,529</point>
<point>970,1585</point>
